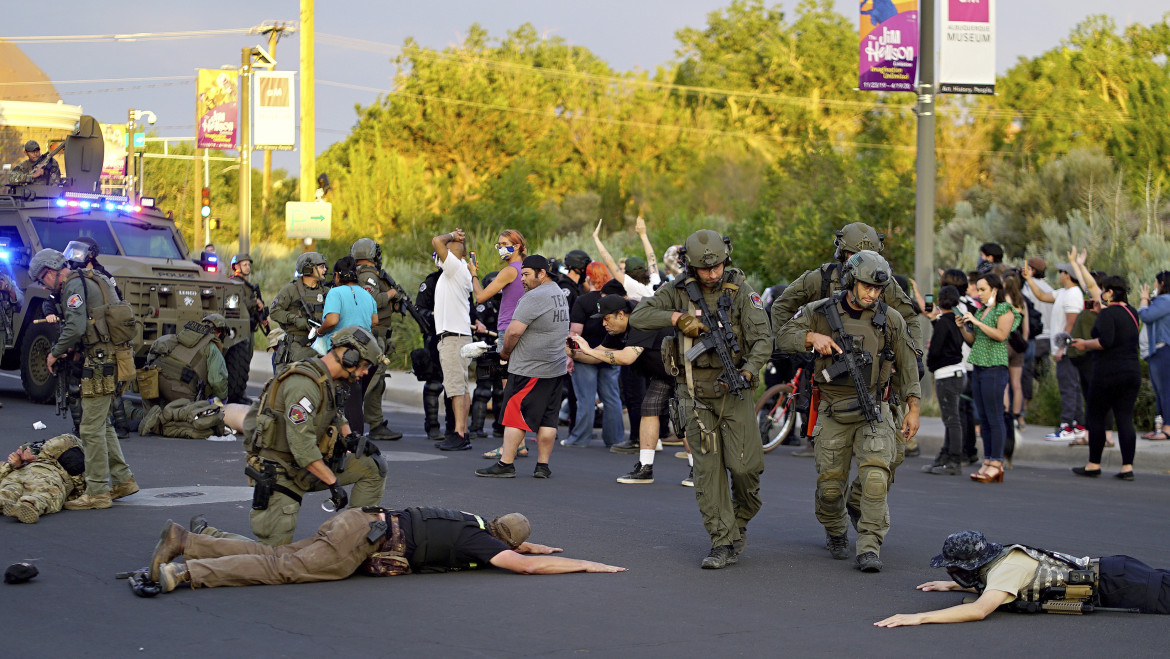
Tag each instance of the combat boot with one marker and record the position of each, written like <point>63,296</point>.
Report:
<point>90,502</point>
<point>869,562</point>
<point>198,524</point>
<point>384,433</point>
<point>169,546</point>
<point>719,557</point>
<point>123,489</point>
<point>838,546</point>
<point>173,575</point>
<point>23,511</point>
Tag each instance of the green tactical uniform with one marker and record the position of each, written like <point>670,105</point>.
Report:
<point>293,307</point>
<point>735,446</point>
<point>184,419</point>
<point>841,432</point>
<point>290,429</point>
<point>378,283</point>
<point>81,294</point>
<point>43,485</point>
<point>190,363</point>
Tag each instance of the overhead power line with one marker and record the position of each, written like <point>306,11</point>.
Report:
<point>136,36</point>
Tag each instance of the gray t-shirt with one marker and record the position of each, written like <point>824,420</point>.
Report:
<point>540,353</point>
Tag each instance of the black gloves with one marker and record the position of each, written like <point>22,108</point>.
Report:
<point>338,496</point>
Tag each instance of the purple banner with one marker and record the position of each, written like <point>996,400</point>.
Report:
<point>889,46</point>
<point>216,103</point>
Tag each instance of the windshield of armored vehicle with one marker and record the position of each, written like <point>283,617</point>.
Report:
<point>137,238</point>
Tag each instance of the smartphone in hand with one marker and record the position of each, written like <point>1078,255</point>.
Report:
<point>929,307</point>
<point>473,261</point>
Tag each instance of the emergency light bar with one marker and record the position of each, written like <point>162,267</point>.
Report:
<point>88,201</point>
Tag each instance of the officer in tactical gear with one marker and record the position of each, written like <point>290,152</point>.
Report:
<point>720,425</point>
<point>298,441</point>
<point>252,300</point>
<point>379,283</point>
<point>298,307</point>
<point>1029,579</point>
<point>39,477</point>
<point>86,298</point>
<point>424,361</point>
<point>28,172</point>
<point>374,541</point>
<point>852,416</point>
<point>191,362</point>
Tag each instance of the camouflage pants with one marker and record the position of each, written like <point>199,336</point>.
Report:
<point>35,484</point>
<point>275,524</point>
<point>103,452</point>
<point>836,445</point>
<point>727,473</point>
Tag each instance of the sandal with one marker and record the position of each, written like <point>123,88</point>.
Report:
<point>1155,435</point>
<point>496,453</point>
<point>1083,441</point>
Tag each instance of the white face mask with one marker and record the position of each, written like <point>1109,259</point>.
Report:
<point>506,251</point>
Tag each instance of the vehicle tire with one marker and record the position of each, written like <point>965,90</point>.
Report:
<point>239,365</point>
<point>774,431</point>
<point>38,382</point>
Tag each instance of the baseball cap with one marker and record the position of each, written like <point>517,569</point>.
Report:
<point>32,145</point>
<point>535,262</point>
<point>611,304</point>
<point>635,264</point>
<point>1066,267</point>
<point>1038,264</point>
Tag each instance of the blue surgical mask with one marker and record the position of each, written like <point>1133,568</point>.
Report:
<point>506,251</point>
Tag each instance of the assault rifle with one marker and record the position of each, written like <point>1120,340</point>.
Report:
<point>720,338</point>
<point>40,163</point>
<point>853,361</point>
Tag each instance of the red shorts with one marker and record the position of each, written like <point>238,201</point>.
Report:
<point>531,403</point>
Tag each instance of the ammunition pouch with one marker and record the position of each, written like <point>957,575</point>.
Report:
<point>115,322</point>
<point>847,411</point>
<point>98,379</point>
<point>146,380</point>
<point>124,358</point>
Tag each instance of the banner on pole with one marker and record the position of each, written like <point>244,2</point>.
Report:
<point>217,103</point>
<point>114,161</point>
<point>274,118</point>
<point>967,47</point>
<point>889,45</point>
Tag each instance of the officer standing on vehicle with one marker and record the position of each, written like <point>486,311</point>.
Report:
<point>379,283</point>
<point>24,172</point>
<point>253,301</point>
<point>298,441</point>
<point>856,319</point>
<point>299,307</point>
<point>721,426</point>
<point>81,295</point>
<point>191,362</point>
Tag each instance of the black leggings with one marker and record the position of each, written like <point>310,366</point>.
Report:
<point>1115,393</point>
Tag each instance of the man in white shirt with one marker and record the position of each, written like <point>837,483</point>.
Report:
<point>453,325</point>
<point>641,275</point>
<point>1067,303</point>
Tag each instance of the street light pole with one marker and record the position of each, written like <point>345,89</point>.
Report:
<point>924,174</point>
<point>245,201</point>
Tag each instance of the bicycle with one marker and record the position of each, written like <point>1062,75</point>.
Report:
<point>776,413</point>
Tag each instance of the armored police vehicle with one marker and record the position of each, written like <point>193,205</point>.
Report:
<point>138,244</point>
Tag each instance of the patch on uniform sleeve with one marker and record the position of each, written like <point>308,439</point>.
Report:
<point>306,403</point>
<point>371,281</point>
<point>757,301</point>
<point>422,287</point>
<point>297,414</point>
<point>74,301</point>
<point>799,312</point>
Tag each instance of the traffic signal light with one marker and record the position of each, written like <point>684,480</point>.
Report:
<point>205,210</point>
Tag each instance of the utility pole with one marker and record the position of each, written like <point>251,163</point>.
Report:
<point>924,174</point>
<point>245,201</point>
<point>308,114</point>
<point>130,170</point>
<point>274,33</point>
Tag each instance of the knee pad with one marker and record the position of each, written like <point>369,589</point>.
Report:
<point>432,389</point>
<point>875,484</point>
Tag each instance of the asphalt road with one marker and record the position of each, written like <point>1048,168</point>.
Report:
<point>785,597</point>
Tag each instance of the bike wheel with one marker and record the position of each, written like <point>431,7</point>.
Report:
<point>776,415</point>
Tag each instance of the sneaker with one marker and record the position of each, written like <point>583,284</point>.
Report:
<point>719,557</point>
<point>24,511</point>
<point>681,455</point>
<point>90,502</point>
<point>1080,432</point>
<point>566,443</point>
<point>939,460</point>
<point>454,442</point>
<point>173,575</point>
<point>625,447</point>
<point>1065,433</point>
<point>198,524</point>
<point>739,545</point>
<point>384,433</point>
<point>854,514</point>
<point>541,471</point>
<point>122,490</point>
<point>869,562</point>
<point>672,440</point>
<point>948,469</point>
<point>689,481</point>
<point>497,470</point>
<point>641,474</point>
<point>838,546</point>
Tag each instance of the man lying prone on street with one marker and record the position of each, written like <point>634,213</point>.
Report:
<point>376,541</point>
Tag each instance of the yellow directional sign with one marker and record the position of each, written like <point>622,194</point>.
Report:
<point>307,219</point>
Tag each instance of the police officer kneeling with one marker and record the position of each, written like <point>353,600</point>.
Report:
<point>191,363</point>
<point>853,418</point>
<point>298,441</point>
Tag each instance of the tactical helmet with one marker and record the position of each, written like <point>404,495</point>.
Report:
<point>216,321</point>
<point>46,259</point>
<point>360,339</point>
<point>856,237</point>
<point>240,258</point>
<point>866,266</point>
<point>308,262</point>
<point>706,249</point>
<point>577,259</point>
<point>366,249</point>
<point>76,253</point>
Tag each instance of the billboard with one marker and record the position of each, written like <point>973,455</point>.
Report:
<point>967,47</point>
<point>273,117</point>
<point>114,162</point>
<point>216,109</point>
<point>889,45</point>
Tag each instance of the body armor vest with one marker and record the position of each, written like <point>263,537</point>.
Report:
<point>1052,571</point>
<point>315,307</point>
<point>385,310</point>
<point>182,374</point>
<point>867,337</point>
<point>435,532</point>
<point>710,360</point>
<point>265,426</point>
